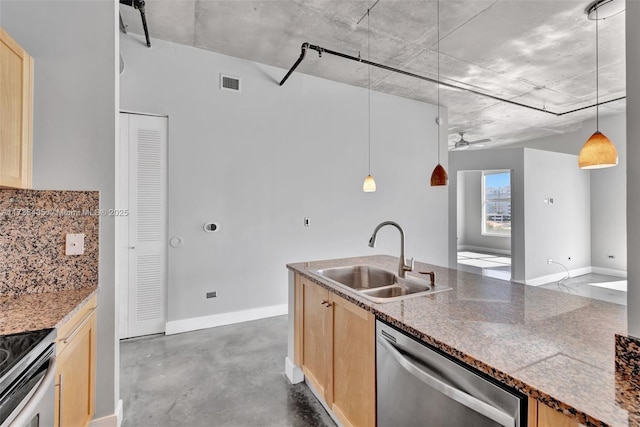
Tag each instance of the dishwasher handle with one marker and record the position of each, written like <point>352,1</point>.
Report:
<point>459,396</point>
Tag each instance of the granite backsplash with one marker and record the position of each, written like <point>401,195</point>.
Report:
<point>33,229</point>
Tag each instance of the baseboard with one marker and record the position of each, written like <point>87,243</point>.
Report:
<point>609,272</point>
<point>482,249</point>
<point>204,322</point>
<point>323,403</point>
<point>543,280</point>
<point>114,420</point>
<point>293,372</point>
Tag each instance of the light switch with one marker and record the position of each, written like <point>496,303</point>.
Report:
<point>75,244</point>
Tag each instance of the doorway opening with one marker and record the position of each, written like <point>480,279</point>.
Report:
<point>484,222</point>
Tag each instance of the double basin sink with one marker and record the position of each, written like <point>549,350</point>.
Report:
<point>377,284</point>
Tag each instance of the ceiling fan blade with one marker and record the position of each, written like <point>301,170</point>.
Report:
<point>458,147</point>
<point>480,140</point>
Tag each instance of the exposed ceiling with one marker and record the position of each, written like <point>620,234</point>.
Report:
<point>540,53</point>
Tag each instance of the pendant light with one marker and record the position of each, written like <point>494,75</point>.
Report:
<point>439,175</point>
<point>369,184</point>
<point>598,152</point>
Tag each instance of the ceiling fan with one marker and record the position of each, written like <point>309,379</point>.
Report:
<point>463,144</point>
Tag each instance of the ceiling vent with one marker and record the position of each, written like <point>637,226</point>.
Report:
<point>229,83</point>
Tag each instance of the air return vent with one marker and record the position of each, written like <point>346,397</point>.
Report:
<point>229,83</point>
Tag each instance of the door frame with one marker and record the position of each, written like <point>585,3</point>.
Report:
<point>122,229</point>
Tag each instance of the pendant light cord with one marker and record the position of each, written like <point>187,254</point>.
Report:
<point>438,90</point>
<point>597,82</point>
<point>369,82</point>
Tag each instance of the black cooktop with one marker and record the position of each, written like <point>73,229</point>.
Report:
<point>14,347</point>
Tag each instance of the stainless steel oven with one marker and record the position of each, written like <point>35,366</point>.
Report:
<point>27,374</point>
<point>418,386</point>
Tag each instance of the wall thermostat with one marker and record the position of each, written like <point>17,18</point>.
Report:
<point>211,227</point>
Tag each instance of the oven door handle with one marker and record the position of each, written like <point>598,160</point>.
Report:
<point>459,396</point>
<point>31,408</point>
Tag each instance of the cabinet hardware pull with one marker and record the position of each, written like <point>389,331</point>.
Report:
<point>59,385</point>
<point>77,329</point>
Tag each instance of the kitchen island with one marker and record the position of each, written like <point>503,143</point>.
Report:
<point>556,348</point>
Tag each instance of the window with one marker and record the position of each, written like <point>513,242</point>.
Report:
<point>496,203</point>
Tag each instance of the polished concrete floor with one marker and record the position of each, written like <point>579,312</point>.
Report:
<point>230,376</point>
<point>587,286</point>
<point>498,266</point>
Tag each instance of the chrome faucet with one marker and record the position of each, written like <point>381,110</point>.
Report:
<point>404,266</point>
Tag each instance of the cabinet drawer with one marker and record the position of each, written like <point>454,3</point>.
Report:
<point>68,331</point>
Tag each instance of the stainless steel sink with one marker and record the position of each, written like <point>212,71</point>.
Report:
<point>360,277</point>
<point>377,284</point>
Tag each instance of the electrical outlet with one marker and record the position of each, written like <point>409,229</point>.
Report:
<point>612,257</point>
<point>307,221</point>
<point>74,244</point>
<point>212,294</point>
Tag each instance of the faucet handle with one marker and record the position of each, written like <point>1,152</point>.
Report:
<point>408,267</point>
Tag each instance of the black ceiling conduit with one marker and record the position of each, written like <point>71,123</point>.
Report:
<point>139,5</point>
<point>321,50</point>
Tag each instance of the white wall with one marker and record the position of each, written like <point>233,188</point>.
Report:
<point>539,231</point>
<point>461,217</point>
<point>633,153</point>
<point>259,161</point>
<point>609,203</point>
<point>560,230</point>
<point>511,159</point>
<point>74,46</point>
<point>470,235</point>
<point>608,189</point>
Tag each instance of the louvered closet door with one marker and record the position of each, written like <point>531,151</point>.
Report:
<point>147,224</point>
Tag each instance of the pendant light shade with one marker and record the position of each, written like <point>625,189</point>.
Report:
<point>598,152</point>
<point>369,185</point>
<point>439,175</point>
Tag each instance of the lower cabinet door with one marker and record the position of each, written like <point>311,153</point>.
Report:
<point>316,353</point>
<point>540,415</point>
<point>76,378</point>
<point>354,385</point>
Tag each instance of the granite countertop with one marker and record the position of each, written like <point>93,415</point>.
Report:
<point>552,346</point>
<point>30,312</point>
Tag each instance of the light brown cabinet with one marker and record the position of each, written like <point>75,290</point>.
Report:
<point>541,415</point>
<point>336,349</point>
<point>354,368</point>
<point>16,106</point>
<point>75,377</point>
<point>317,340</point>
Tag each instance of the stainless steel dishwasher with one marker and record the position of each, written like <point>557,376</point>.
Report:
<point>417,386</point>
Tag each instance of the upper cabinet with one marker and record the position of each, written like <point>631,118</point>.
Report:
<point>16,106</point>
